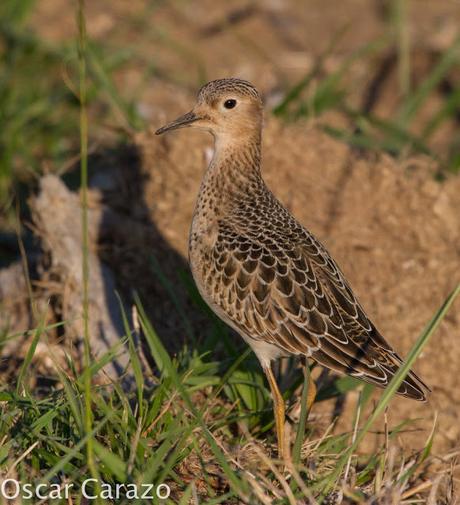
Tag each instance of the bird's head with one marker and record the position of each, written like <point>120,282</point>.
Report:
<point>227,108</point>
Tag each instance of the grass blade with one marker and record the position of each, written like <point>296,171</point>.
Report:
<point>126,113</point>
<point>111,460</point>
<point>394,385</point>
<point>73,452</point>
<point>30,353</point>
<point>156,346</point>
<point>421,94</point>
<point>297,90</point>
<point>303,417</point>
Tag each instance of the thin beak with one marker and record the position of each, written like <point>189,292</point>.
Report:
<point>180,122</point>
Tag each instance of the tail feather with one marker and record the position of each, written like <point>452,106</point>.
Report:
<point>412,386</point>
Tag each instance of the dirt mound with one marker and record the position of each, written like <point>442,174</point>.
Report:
<point>391,226</point>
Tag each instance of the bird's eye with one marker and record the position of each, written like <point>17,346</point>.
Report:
<point>230,103</point>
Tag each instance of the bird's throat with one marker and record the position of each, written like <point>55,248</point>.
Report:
<point>235,168</point>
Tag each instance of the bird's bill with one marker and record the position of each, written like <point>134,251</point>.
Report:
<point>180,122</point>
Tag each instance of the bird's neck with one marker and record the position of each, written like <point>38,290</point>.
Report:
<point>234,170</point>
<point>232,180</point>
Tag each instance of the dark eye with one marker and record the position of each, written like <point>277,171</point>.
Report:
<point>230,103</point>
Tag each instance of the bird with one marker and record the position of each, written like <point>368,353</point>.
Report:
<point>261,271</point>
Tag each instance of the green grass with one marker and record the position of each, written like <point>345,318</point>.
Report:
<point>39,105</point>
<point>33,100</point>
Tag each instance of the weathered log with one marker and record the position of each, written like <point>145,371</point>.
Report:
<point>56,213</point>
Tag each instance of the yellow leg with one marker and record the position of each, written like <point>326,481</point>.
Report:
<point>278,408</point>
<point>311,393</point>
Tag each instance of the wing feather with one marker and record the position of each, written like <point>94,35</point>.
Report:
<point>288,291</point>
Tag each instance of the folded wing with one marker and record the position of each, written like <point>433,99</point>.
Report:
<point>285,289</point>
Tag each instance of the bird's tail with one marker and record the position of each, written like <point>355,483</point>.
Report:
<point>412,385</point>
<point>380,373</point>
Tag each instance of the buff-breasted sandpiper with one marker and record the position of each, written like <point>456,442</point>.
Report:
<point>261,271</point>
